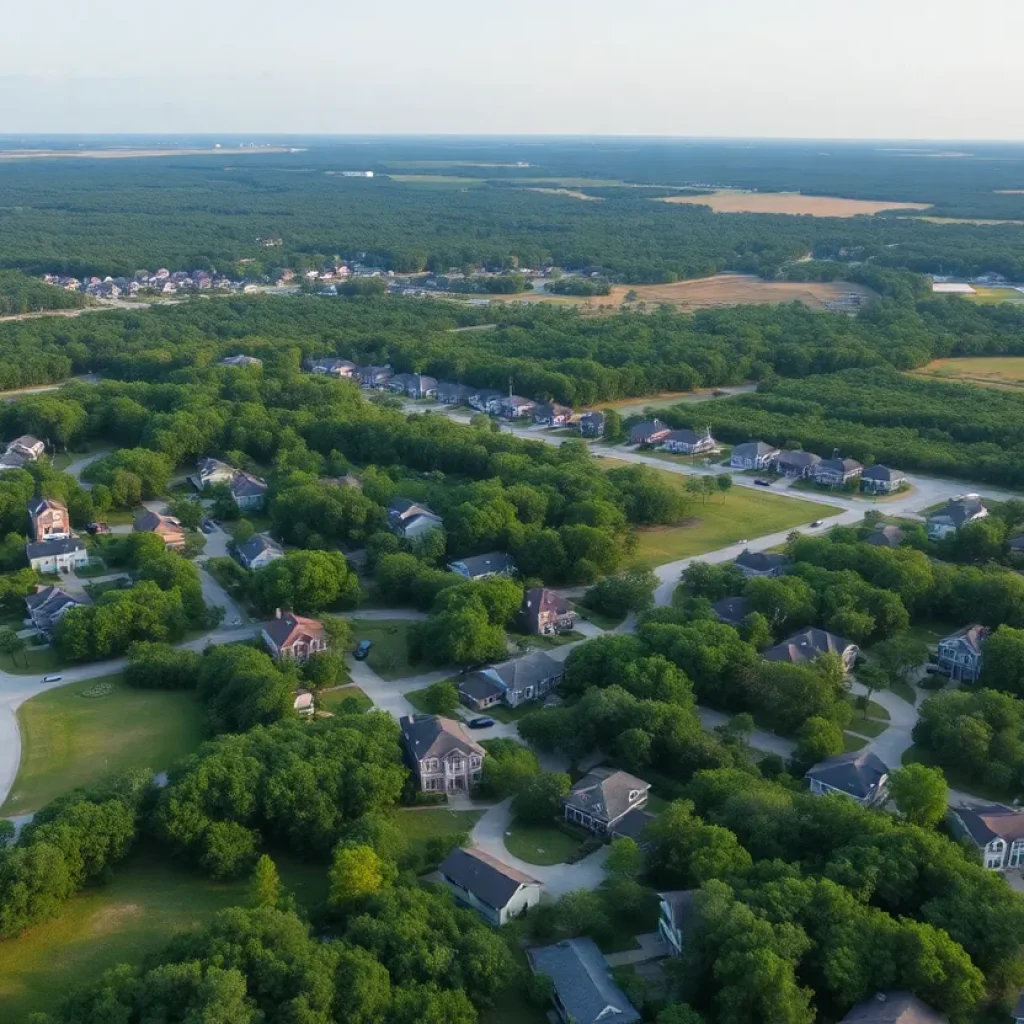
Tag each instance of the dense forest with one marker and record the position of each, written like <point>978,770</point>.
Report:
<point>20,293</point>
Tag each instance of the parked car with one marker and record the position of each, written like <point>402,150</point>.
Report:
<point>761,482</point>
<point>206,525</point>
<point>480,723</point>
<point>362,651</point>
<point>817,523</point>
<point>52,679</point>
<point>94,528</point>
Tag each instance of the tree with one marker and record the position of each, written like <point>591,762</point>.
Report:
<point>265,885</point>
<point>441,698</point>
<point>724,484</point>
<point>900,654</point>
<point>540,799</point>
<point>617,596</point>
<point>188,511</point>
<point>356,873</point>
<point>818,738</point>
<point>324,670</point>
<point>613,430</point>
<point>625,858</point>
<point>507,767</point>
<point>920,793</point>
<point>1003,665</point>
<point>244,531</point>
<point>11,644</point>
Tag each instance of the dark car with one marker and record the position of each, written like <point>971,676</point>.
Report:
<point>206,525</point>
<point>480,723</point>
<point>817,523</point>
<point>762,483</point>
<point>362,651</point>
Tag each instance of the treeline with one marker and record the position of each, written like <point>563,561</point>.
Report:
<point>20,293</point>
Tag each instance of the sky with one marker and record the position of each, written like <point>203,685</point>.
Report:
<point>900,69</point>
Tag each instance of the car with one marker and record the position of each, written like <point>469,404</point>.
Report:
<point>91,527</point>
<point>362,651</point>
<point>52,679</point>
<point>206,525</point>
<point>762,483</point>
<point>102,528</point>
<point>480,723</point>
<point>817,523</point>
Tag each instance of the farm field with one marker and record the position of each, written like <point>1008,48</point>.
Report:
<point>70,740</point>
<point>730,201</point>
<point>1003,372</point>
<point>994,296</point>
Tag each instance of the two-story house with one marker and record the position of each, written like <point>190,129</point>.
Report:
<point>795,463</point>
<point>482,567</point>
<point>837,472</point>
<point>372,377</point>
<point>484,399</point>
<point>591,424</point>
<point>753,455</point>
<point>410,520</point>
<point>483,883</point>
<point>760,563</point>
<point>996,830</point>
<point>247,491</point>
<point>689,442</point>
<point>48,520</point>
<point>291,637</point>
<point>648,432</point>
<point>859,774</point>
<point>414,385</point>
<point>880,479</point>
<point>449,393</point>
<point>960,654</point>
<point>551,414</point>
<point>27,447</point>
<point>957,512</point>
<point>544,611</point>
<point>675,917</point>
<point>259,550</point>
<point>603,798</point>
<point>210,472</point>
<point>60,555</point>
<point>514,407</point>
<point>442,756</point>
<point>512,682</point>
<point>48,605</point>
<point>167,528</point>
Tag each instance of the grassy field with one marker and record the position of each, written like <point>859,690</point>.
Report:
<point>144,905</point>
<point>735,201</point>
<point>1003,372</point>
<point>389,656</point>
<point>70,740</point>
<point>331,700</point>
<point>420,826</point>
<point>539,844</point>
<point>604,622</point>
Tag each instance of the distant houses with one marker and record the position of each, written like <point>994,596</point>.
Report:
<point>796,463</point>
<point>248,492</point>
<point>329,367</point>
<point>241,361</point>
<point>837,472</point>
<point>20,451</point>
<point>551,414</point>
<point>48,520</point>
<point>414,385</point>
<point>373,377</point>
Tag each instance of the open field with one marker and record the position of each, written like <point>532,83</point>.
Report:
<point>964,220</point>
<point>1003,372</point>
<point>729,201</point>
<point>70,740</point>
<point>331,700</point>
<point>124,154</point>
<point>569,192</point>
<point>994,296</point>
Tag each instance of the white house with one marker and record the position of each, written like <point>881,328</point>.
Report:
<point>753,455</point>
<point>57,555</point>
<point>996,830</point>
<point>494,890</point>
<point>955,513</point>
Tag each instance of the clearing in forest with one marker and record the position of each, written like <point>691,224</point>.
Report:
<point>735,201</point>
<point>1004,372</point>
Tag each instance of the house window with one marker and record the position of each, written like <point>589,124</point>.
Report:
<point>431,765</point>
<point>475,762</point>
<point>1017,854</point>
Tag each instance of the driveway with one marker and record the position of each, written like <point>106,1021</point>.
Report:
<point>76,466</point>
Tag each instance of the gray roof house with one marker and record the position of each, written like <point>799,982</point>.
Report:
<point>1018,1011</point>
<point>48,605</point>
<point>955,513</point>
<point>960,653</point>
<point>56,555</point>
<point>647,432</point>
<point>885,535</point>
<point>513,682</point>
<point>760,563</point>
<point>836,472</point>
<point>409,519</point>
<point>441,754</point>
<point>897,1007</point>
<point>241,360</point>
<point>494,890</point>
<point>603,798</point>
<point>373,376</point>
<point>996,830</point>
<point>880,479</point>
<point>209,472</point>
<point>591,424</point>
<point>332,367</point>
<point>860,774</point>
<point>809,644</point>
<point>247,491</point>
<point>796,463</point>
<point>514,407</point>
<point>453,394</point>
<point>731,610</point>
<point>259,550</point>
<point>415,385</point>
<point>551,414</point>
<point>484,399</point>
<point>753,455</point>
<point>688,442</point>
<point>481,567</point>
<point>585,991</point>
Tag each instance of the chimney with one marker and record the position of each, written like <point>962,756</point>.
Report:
<point>277,613</point>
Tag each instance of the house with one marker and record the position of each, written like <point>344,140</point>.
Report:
<point>885,535</point>
<point>332,367</point>
<point>688,442</point>
<point>453,394</point>
<point>648,432</point>
<point>837,472</point>
<point>247,491</point>
<point>996,830</point>
<point>760,563</point>
<point>482,567</point>
<point>514,407</point>
<point>494,890</point>
<point>48,605</point>
<point>544,611</point>
<point>880,479</point>
<point>442,756</point>
<point>241,360</point>
<point>551,414</point>
<point>960,653</point>
<point>753,455</point>
<point>591,424</point>
<point>897,1007</point>
<point>210,472</point>
<point>12,460</point>
<point>513,682</point>
<point>584,990</point>
<point>167,527</point>
<point>810,644</point>
<point>796,463</point>
<point>731,610</point>
<point>602,798</point>
<point>1016,544</point>
<point>955,513</point>
<point>484,399</point>
<point>675,917</point>
<point>415,385</point>
<point>409,520</point>
<point>290,636</point>
<point>56,555</point>
<point>48,519</point>
<point>1018,1011</point>
<point>258,551</point>
<point>859,774</point>
<point>303,703</point>
<point>28,447</point>
<point>373,376</point>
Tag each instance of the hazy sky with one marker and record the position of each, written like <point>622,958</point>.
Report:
<point>791,68</point>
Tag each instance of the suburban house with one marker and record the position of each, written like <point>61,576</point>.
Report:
<point>247,491</point>
<point>591,424</point>
<point>897,1007</point>
<point>333,367</point>
<point>409,520</point>
<point>960,653</point>
<point>688,442</point>
<point>442,756</point>
<point>837,472</point>
<point>796,463</point>
<point>859,774</point>
<point>551,414</point>
<point>56,555</point>
<point>209,472</point>
<point>879,479</point>
<point>48,519</point>
<point>602,798</point>
<point>584,990</point>
<point>494,890</point>
<point>675,917</point>
<point>810,644</point>
<point>511,682</point>
<point>414,385</point>
<point>1016,545</point>
<point>166,527</point>
<point>290,636</point>
<point>241,360</point>
<point>544,611</point>
<point>482,567</point>
<point>48,605</point>
<point>753,455</point>
<point>303,703</point>
<point>11,460</point>
<point>373,376</point>
<point>258,551</point>
<point>885,535</point>
<point>760,563</point>
<point>514,407</point>
<point>648,432</point>
<point>27,447</point>
<point>955,513</point>
<point>484,399</point>
<point>996,830</point>
<point>453,394</point>
<point>731,610</point>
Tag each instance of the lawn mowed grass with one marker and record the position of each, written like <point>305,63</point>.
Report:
<point>389,656</point>
<point>540,844</point>
<point>70,740</point>
<point>32,661</point>
<point>145,904</point>
<point>332,700</point>
<point>422,825</point>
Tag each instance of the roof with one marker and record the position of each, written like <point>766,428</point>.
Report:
<point>731,609</point>
<point>26,441</point>
<point>257,545</point>
<point>153,522</point>
<point>484,876</point>
<point>42,548</point>
<point>879,472</point>
<point>681,903</point>
<point>760,561</point>
<point>887,536</point>
<point>857,773</point>
<point>49,600</point>
<point>991,821</point>
<point>584,983</point>
<point>1017,543</point>
<point>538,601</point>
<point>245,485</point>
<point>647,427</point>
<point>549,409</point>
<point>434,736</point>
<point>633,823</point>
<point>971,636</point>
<point>12,460</point>
<point>594,416</point>
<point>241,360</point>
<point>39,505</point>
<point>807,645</point>
<point>480,687</point>
<point>458,390</point>
<point>893,1008</point>
<point>207,465</point>
<point>798,458</point>
<point>408,521</point>
<point>750,449</point>
<point>287,627</point>
<point>481,565</point>
<point>960,510</point>
<point>517,401</point>
<point>603,793</point>
<point>686,436</point>
<point>840,465</point>
<point>528,670</point>
<point>404,508</point>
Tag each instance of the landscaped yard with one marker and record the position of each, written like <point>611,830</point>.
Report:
<point>422,825</point>
<point>70,740</point>
<point>540,844</point>
<point>331,700</point>
<point>389,656</point>
<point>32,661</point>
<point>851,742</point>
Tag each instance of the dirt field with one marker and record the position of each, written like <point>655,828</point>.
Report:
<point>122,154</point>
<point>789,202</point>
<point>962,220</point>
<point>994,296</point>
<point>1003,372</point>
<point>571,193</point>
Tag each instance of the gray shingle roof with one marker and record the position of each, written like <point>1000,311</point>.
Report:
<point>731,609</point>
<point>806,645</point>
<point>257,545</point>
<point>893,1008</point>
<point>798,459</point>
<point>479,687</point>
<point>960,510</point>
<point>518,673</point>
<point>840,465</point>
<point>884,473</point>
<point>857,773</point>
<point>888,536</point>
<point>491,562</point>
<point>484,876</point>
<point>42,548</point>
<point>760,561</point>
<point>753,449</point>
<point>245,485</point>
<point>433,736</point>
<point>604,794</point>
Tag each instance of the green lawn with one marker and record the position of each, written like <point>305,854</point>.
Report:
<point>418,699</point>
<point>331,700</point>
<point>605,622</point>
<point>420,825</point>
<point>32,661</point>
<point>866,726</point>
<point>546,641</point>
<point>69,740</point>
<point>145,904</point>
<point>389,656</point>
<point>540,844</point>
<point>852,743</point>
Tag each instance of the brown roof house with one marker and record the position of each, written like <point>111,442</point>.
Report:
<point>603,798</point>
<point>48,520</point>
<point>544,611</point>
<point>166,527</point>
<point>893,1008</point>
<point>442,756</point>
<point>494,890</point>
<point>291,636</point>
<point>996,830</point>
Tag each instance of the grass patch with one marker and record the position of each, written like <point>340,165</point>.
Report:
<point>867,726</point>
<point>546,641</point>
<point>418,699</point>
<point>502,713</point>
<point>540,844</point>
<point>389,656</point>
<point>69,740</point>
<point>32,661</point>
<point>605,622</point>
<point>331,700</point>
<point>875,710</point>
<point>851,742</point>
<point>916,754</point>
<point>420,826</point>
<point>905,692</point>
